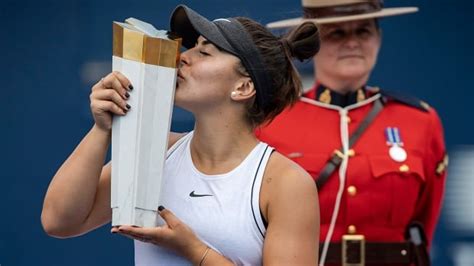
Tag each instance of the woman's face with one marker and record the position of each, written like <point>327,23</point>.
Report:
<point>348,50</point>
<point>206,76</point>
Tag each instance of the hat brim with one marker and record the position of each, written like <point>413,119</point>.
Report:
<point>189,25</point>
<point>229,35</point>
<point>386,12</point>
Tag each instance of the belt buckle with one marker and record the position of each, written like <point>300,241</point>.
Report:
<point>353,250</point>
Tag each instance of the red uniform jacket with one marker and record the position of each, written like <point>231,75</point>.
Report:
<point>381,196</point>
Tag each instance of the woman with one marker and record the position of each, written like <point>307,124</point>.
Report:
<point>234,76</point>
<point>392,175</point>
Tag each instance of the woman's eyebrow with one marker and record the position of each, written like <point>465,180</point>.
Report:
<point>204,42</point>
<point>363,25</point>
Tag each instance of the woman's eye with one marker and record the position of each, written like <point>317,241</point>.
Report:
<point>203,53</point>
<point>336,35</point>
<point>363,32</point>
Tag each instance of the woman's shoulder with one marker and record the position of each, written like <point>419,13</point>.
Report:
<point>284,174</point>
<point>288,191</point>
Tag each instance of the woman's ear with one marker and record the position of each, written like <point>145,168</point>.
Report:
<point>244,90</point>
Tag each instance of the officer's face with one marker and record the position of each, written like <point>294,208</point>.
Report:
<point>348,50</point>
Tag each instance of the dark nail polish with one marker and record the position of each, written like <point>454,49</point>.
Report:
<point>130,87</point>
<point>127,95</point>
<point>128,106</point>
<point>161,208</point>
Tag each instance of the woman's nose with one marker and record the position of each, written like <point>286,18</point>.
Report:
<point>352,40</point>
<point>184,58</point>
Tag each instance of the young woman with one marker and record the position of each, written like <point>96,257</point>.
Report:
<point>393,175</point>
<point>260,206</point>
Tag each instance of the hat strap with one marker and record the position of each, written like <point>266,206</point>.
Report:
<point>343,10</point>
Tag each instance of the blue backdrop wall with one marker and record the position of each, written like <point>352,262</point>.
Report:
<point>53,51</point>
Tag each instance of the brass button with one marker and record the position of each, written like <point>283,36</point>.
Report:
<point>352,190</point>
<point>348,119</point>
<point>351,229</point>
<point>351,153</point>
<point>404,168</point>
<point>425,105</point>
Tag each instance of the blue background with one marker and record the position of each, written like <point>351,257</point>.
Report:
<point>49,47</point>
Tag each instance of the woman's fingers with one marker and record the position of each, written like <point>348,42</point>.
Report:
<point>112,82</point>
<point>99,107</point>
<point>169,217</point>
<point>110,95</point>
<point>145,234</point>
<point>115,81</point>
<point>155,233</point>
<point>175,234</point>
<point>134,236</point>
<point>123,80</point>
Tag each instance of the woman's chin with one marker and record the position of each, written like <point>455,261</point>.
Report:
<point>353,72</point>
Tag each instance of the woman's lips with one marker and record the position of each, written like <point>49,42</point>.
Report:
<point>351,56</point>
<point>180,75</point>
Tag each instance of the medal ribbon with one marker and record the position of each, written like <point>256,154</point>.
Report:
<point>393,136</point>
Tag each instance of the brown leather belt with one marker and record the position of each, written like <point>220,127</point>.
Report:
<point>358,252</point>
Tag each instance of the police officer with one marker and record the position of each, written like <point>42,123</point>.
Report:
<point>378,157</point>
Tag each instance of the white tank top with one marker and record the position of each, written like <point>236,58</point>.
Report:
<point>223,210</point>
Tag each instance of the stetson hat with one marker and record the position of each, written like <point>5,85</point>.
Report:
<point>332,11</point>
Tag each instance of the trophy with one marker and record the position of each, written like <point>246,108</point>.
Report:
<point>149,59</point>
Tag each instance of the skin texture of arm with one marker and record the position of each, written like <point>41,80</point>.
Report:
<point>289,202</point>
<point>78,197</point>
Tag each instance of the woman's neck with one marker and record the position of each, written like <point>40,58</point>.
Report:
<point>342,85</point>
<point>220,144</point>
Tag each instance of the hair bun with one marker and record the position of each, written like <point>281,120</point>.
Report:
<point>287,46</point>
<point>302,42</point>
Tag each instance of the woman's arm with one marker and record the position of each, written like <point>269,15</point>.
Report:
<point>289,202</point>
<point>78,197</point>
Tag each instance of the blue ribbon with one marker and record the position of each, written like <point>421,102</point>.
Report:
<point>393,136</point>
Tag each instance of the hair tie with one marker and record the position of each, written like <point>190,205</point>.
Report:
<point>287,47</point>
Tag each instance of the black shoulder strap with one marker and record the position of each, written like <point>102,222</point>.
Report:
<point>336,158</point>
<point>405,99</point>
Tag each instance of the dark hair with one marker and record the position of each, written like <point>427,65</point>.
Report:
<point>277,53</point>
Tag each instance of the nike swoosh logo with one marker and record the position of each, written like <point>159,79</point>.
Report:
<point>192,194</point>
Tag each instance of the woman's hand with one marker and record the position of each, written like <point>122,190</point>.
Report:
<point>109,96</point>
<point>174,235</point>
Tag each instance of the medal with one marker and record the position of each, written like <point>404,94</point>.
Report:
<point>396,151</point>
